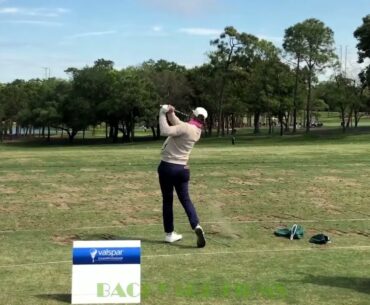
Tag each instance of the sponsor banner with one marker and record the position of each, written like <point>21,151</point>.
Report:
<point>106,272</point>
<point>86,256</point>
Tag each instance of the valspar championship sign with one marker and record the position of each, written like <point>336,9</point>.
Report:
<point>106,272</point>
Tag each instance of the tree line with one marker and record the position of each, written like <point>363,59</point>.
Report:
<point>245,77</point>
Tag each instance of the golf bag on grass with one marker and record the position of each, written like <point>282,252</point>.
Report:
<point>320,239</point>
<point>295,232</point>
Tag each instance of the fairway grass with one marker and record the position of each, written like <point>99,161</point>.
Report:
<point>50,196</point>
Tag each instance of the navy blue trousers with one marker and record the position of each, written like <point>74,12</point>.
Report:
<point>175,176</point>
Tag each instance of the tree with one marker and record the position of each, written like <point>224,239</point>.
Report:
<point>2,114</point>
<point>265,80</point>
<point>315,44</point>
<point>283,87</point>
<point>228,45</point>
<point>205,82</point>
<point>94,86</point>
<point>75,115</point>
<point>14,98</point>
<point>362,34</point>
<point>293,44</point>
<point>45,109</point>
<point>169,85</point>
<point>131,94</point>
<point>169,82</point>
<point>339,94</point>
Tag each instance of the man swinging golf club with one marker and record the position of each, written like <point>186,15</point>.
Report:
<point>173,170</point>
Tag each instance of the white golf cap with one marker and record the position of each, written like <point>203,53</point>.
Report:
<point>200,111</point>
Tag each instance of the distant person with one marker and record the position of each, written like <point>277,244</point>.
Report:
<point>174,171</point>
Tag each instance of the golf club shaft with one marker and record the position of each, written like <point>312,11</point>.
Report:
<point>182,113</point>
<point>179,112</point>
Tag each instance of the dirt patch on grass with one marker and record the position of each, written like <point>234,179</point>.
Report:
<point>124,175</point>
<point>340,181</point>
<point>272,179</point>
<point>64,240</point>
<point>366,234</point>
<point>223,231</point>
<point>348,233</point>
<point>60,204</point>
<point>63,187</point>
<point>321,199</point>
<point>154,194</point>
<point>58,200</point>
<point>37,171</point>
<point>88,169</point>
<point>7,190</point>
<point>351,183</point>
<point>109,188</point>
<point>242,218</point>
<point>334,179</point>
<point>337,232</point>
<point>50,184</point>
<point>239,181</point>
<point>9,177</point>
<point>64,175</point>
<point>234,192</point>
<point>272,226</point>
<point>70,189</point>
<point>214,229</point>
<point>13,208</point>
<point>287,172</point>
<point>133,186</point>
<point>253,173</point>
<point>68,239</point>
<point>285,216</point>
<point>214,174</point>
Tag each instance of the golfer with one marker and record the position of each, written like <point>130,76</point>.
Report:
<point>173,170</point>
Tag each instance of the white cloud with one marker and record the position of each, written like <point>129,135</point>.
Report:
<point>157,28</point>
<point>9,10</point>
<point>352,68</point>
<point>33,22</point>
<point>38,12</point>
<point>201,31</point>
<point>90,34</point>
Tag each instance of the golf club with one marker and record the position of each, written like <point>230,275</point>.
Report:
<point>179,112</point>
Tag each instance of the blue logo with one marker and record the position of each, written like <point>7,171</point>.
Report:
<point>87,256</point>
<point>93,253</point>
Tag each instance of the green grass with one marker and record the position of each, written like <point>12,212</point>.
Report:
<point>333,119</point>
<point>51,195</point>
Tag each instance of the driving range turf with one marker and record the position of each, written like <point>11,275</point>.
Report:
<point>52,195</point>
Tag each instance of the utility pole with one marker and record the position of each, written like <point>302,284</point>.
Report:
<point>46,72</point>
<point>345,62</point>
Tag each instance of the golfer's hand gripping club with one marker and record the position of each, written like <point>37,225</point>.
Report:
<point>170,108</point>
<point>167,108</point>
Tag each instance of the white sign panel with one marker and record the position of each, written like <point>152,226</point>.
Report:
<point>106,272</point>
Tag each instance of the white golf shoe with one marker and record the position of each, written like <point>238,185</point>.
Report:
<point>172,237</point>
<point>201,240</point>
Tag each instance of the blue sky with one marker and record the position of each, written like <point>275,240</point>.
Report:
<point>73,33</point>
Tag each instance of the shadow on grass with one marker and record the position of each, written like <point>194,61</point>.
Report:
<point>144,240</point>
<point>61,297</point>
<point>244,136</point>
<point>354,283</point>
<point>36,142</point>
